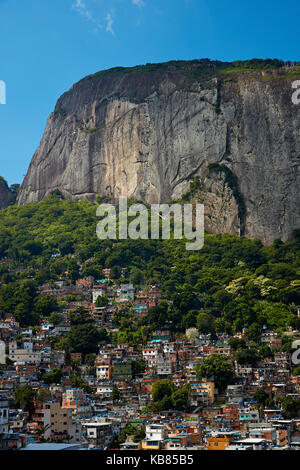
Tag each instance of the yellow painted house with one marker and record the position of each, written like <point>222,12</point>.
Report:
<point>221,440</point>
<point>146,444</point>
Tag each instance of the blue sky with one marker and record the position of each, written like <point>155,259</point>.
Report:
<point>47,45</point>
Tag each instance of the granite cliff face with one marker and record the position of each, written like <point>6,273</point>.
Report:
<point>147,132</point>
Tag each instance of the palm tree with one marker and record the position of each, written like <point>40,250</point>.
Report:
<point>278,400</point>
<point>41,431</point>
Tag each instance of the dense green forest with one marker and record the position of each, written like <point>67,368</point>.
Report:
<point>230,284</point>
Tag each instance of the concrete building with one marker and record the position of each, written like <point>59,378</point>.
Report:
<point>98,434</point>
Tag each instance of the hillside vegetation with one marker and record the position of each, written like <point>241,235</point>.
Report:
<point>236,282</point>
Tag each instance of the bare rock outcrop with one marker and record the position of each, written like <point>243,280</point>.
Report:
<point>5,194</point>
<point>148,131</point>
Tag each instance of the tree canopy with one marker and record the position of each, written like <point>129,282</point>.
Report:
<point>218,368</point>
